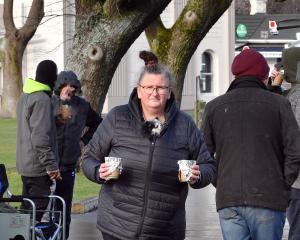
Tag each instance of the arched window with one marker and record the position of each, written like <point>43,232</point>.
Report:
<point>206,73</point>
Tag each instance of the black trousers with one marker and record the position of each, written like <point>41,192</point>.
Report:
<point>36,186</point>
<point>108,237</point>
<point>293,215</point>
<point>64,189</point>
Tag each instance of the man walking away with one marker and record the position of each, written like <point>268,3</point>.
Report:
<point>255,138</point>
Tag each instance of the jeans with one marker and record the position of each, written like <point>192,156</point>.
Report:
<point>251,223</point>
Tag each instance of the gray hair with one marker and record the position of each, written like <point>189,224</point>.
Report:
<point>158,69</point>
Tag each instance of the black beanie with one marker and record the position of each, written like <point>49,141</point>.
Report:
<point>46,73</point>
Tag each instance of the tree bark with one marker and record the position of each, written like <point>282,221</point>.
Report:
<point>283,7</point>
<point>104,32</point>
<point>242,7</point>
<point>106,29</point>
<point>15,42</point>
<point>175,46</point>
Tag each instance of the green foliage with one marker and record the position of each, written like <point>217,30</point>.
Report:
<point>8,142</point>
<point>15,182</point>
<point>83,187</point>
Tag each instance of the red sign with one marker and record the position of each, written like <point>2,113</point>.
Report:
<point>273,27</point>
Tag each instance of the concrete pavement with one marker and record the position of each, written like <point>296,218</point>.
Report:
<point>201,215</point>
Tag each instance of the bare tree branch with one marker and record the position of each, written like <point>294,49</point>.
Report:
<point>8,16</point>
<point>175,46</point>
<point>35,16</point>
<point>14,44</point>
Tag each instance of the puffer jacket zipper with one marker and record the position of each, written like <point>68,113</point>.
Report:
<point>148,176</point>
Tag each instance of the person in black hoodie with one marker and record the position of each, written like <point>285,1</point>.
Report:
<point>75,122</point>
<point>255,138</point>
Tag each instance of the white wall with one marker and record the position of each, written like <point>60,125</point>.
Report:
<point>47,43</point>
<point>258,6</point>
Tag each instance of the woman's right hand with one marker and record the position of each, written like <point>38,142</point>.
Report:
<point>104,171</point>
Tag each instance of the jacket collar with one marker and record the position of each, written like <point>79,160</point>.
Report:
<point>247,82</point>
<point>31,86</point>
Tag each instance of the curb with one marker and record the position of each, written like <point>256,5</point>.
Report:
<point>84,206</point>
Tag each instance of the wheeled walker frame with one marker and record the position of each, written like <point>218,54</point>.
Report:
<point>23,223</point>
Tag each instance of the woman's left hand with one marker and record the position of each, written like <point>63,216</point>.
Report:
<point>195,174</point>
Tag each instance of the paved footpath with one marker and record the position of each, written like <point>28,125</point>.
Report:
<point>202,219</point>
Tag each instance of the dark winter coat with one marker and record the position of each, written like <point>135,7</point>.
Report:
<point>294,98</point>
<point>291,64</point>
<point>36,145</point>
<point>256,140</point>
<point>71,131</point>
<point>147,201</point>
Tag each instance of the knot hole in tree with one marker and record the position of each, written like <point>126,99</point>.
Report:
<point>190,16</point>
<point>95,53</point>
<point>17,35</point>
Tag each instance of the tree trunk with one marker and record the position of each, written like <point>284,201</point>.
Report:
<point>15,42</point>
<point>175,46</point>
<point>12,75</point>
<point>104,32</point>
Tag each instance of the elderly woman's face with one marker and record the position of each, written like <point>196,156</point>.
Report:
<point>154,91</point>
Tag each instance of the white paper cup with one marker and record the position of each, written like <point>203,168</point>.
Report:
<point>185,167</point>
<point>115,167</point>
<point>65,111</point>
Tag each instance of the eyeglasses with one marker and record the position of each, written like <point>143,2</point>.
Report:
<point>160,89</point>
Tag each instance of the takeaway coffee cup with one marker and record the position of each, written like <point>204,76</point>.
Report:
<point>65,111</point>
<point>115,167</point>
<point>185,167</point>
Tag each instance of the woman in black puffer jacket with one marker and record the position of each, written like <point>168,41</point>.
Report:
<point>150,134</point>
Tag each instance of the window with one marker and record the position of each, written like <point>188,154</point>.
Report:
<point>206,73</point>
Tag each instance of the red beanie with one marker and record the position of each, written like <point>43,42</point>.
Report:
<point>250,63</point>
